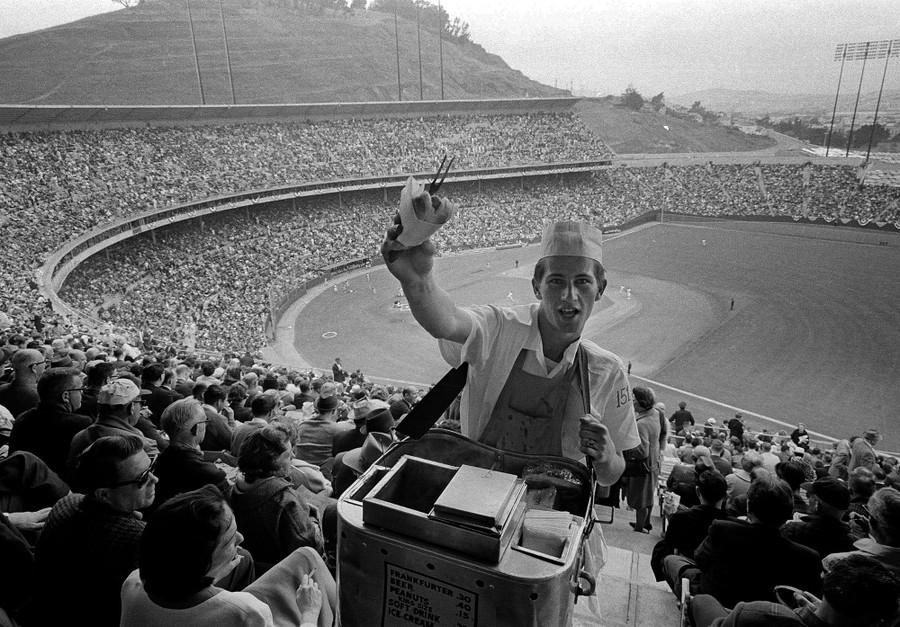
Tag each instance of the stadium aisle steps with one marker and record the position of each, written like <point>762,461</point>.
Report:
<point>630,597</point>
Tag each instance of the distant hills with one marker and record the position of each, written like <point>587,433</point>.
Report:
<point>280,52</point>
<point>761,103</point>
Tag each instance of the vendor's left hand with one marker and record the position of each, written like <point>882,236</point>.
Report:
<point>595,441</point>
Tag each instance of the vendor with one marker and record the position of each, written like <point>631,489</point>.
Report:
<point>528,364</point>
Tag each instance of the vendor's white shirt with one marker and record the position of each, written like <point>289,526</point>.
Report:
<point>497,337</point>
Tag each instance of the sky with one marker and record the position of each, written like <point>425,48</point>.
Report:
<point>599,47</point>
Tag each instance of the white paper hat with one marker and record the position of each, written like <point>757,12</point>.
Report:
<point>572,239</point>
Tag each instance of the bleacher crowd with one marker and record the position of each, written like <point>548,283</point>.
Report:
<point>752,517</point>
<point>117,451</point>
<point>189,273</point>
<point>122,451</point>
<point>98,441</point>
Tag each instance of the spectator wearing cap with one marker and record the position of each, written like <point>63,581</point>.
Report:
<point>351,464</point>
<point>119,409</point>
<point>159,397</point>
<point>684,477</point>
<point>90,542</point>
<point>688,528</point>
<point>822,530</point>
<point>262,410</point>
<point>274,517</point>
<point>316,435</point>
<point>711,428</point>
<point>98,375</point>
<point>729,565</point>
<point>883,543</point>
<point>21,393</point>
<point>182,467</point>
<point>219,419</point>
<point>680,418</point>
<point>863,452</point>
<point>47,430</point>
<point>338,371</point>
<point>377,418</point>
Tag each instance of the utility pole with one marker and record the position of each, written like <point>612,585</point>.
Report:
<point>441,44</point>
<point>227,53</point>
<point>196,58</point>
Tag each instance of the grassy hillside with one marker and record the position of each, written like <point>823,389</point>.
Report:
<point>279,54</point>
<point>632,132</point>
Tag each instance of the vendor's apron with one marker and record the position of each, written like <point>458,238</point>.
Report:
<point>531,412</point>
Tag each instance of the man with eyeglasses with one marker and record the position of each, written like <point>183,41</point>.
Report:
<point>182,466</point>
<point>90,542</point>
<point>21,393</point>
<point>47,430</point>
<point>118,411</point>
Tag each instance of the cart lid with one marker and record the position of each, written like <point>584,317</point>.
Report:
<point>433,405</point>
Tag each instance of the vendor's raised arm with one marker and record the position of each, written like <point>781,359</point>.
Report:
<point>413,265</point>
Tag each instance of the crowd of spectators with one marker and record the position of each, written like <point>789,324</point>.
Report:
<point>131,437</point>
<point>186,276</point>
<point>56,185</point>
<point>131,430</point>
<point>751,511</point>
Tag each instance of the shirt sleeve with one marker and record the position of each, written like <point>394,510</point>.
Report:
<point>611,403</point>
<point>476,348</point>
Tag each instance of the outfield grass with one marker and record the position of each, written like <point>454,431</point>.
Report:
<point>813,336</point>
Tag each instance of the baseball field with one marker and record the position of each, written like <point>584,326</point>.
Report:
<point>813,335</point>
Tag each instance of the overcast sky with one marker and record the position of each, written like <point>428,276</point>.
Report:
<point>600,46</point>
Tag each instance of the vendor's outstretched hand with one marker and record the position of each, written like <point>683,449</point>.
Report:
<point>408,264</point>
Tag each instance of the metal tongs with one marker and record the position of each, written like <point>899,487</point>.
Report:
<point>433,187</point>
<point>435,183</point>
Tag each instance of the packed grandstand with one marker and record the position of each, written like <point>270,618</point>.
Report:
<point>150,300</point>
<point>58,184</point>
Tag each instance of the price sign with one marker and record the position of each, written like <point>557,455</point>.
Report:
<point>412,598</point>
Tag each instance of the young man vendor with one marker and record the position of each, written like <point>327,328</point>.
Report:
<point>527,363</point>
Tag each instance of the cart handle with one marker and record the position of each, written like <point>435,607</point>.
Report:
<point>584,590</point>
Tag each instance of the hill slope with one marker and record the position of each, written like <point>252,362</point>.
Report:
<point>144,55</point>
<point>633,132</point>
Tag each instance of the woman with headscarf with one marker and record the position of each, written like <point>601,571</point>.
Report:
<point>640,491</point>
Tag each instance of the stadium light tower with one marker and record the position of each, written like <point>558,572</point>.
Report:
<point>227,53</point>
<point>397,42</point>
<point>863,50</point>
<point>441,44</point>
<point>196,58</point>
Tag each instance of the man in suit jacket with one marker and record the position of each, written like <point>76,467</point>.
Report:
<point>688,528</point>
<point>862,452</point>
<point>159,397</point>
<point>744,561</point>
